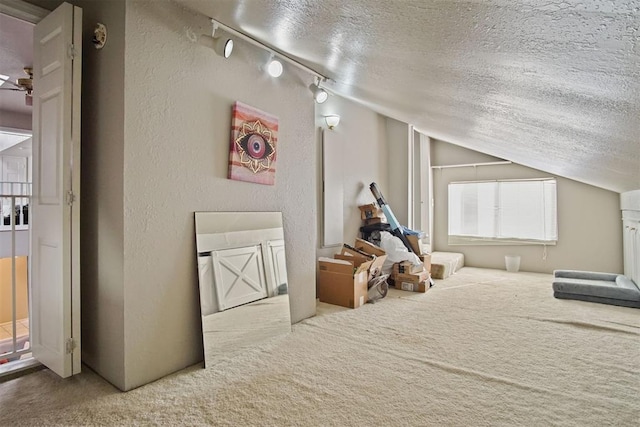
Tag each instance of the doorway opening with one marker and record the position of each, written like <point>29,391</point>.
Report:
<point>15,197</point>
<point>52,55</point>
<point>16,59</point>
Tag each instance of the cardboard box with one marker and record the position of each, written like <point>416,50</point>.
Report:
<point>412,287</point>
<point>360,256</point>
<point>355,256</point>
<point>407,267</point>
<point>374,266</point>
<point>414,242</point>
<point>343,279</point>
<point>426,260</point>
<point>412,282</point>
<point>369,247</point>
<point>376,251</point>
<point>342,283</point>
<point>417,245</point>
<point>412,277</point>
<point>370,211</point>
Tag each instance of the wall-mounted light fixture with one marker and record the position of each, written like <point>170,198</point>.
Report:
<point>319,94</point>
<point>221,44</point>
<point>332,120</point>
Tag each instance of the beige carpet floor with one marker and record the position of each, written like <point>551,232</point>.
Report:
<point>483,347</point>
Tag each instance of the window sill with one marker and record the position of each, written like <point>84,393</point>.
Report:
<point>488,241</point>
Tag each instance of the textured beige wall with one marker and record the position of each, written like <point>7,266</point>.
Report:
<point>588,218</point>
<point>397,192</point>
<point>102,182</point>
<point>362,135</point>
<point>178,99</point>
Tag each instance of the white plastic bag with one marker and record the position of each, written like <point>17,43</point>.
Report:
<point>396,252</point>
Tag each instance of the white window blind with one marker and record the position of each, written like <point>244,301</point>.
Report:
<point>503,212</point>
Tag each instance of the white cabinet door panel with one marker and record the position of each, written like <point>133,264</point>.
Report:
<point>239,276</point>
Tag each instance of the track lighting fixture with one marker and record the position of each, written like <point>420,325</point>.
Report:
<point>274,68</point>
<point>319,95</point>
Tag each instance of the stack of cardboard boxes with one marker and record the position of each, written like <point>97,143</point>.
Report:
<point>372,214</point>
<point>409,277</point>
<point>343,279</point>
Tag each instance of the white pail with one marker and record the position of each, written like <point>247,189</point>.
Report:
<point>512,262</point>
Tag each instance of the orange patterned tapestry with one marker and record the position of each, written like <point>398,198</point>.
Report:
<point>254,138</point>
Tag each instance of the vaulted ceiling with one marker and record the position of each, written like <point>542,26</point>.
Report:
<point>554,85</point>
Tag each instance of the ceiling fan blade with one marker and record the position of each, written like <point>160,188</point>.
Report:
<point>11,88</point>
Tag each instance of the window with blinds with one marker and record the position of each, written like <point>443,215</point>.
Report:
<point>503,212</point>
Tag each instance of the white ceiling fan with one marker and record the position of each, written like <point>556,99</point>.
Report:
<point>22,85</point>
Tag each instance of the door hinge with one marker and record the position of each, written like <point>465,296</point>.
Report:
<point>70,197</point>
<point>70,345</point>
<point>72,51</point>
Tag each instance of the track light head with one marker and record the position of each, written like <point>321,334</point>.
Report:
<point>274,68</point>
<point>319,95</point>
<point>223,45</point>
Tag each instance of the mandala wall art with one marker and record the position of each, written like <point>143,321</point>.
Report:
<point>252,152</point>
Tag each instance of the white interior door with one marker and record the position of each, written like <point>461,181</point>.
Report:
<point>55,270</point>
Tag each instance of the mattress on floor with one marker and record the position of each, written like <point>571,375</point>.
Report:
<point>444,264</point>
<point>604,288</point>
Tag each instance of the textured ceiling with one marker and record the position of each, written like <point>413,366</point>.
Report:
<point>16,40</point>
<point>553,85</point>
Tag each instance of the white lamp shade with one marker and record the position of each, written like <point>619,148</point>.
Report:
<point>332,120</point>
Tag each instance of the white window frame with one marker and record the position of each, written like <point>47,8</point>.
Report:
<point>496,239</point>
